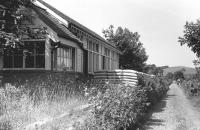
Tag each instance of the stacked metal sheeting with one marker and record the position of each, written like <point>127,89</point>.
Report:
<point>128,77</point>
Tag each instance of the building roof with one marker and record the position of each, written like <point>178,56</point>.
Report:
<point>77,24</point>
<point>55,24</point>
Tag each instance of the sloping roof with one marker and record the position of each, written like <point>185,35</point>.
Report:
<point>77,24</point>
<point>55,24</point>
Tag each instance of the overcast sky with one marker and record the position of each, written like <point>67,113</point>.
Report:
<point>159,22</point>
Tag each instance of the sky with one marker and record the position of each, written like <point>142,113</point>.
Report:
<point>159,23</point>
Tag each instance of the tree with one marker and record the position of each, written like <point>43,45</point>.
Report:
<point>133,53</point>
<point>12,14</point>
<point>153,69</point>
<point>191,37</point>
<point>179,75</point>
<point>197,67</point>
<point>150,69</point>
<point>170,76</point>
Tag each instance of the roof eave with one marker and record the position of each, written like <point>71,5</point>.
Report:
<point>53,25</point>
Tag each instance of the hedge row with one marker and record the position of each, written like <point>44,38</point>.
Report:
<point>191,87</point>
<point>120,106</point>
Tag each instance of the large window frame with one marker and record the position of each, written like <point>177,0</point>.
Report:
<point>64,59</point>
<point>99,55</point>
<point>30,56</point>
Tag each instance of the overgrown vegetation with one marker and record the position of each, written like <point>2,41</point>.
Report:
<point>120,106</point>
<point>38,100</point>
<point>112,106</point>
<point>191,86</point>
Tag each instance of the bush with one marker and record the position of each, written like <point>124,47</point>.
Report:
<point>120,106</point>
<point>191,87</point>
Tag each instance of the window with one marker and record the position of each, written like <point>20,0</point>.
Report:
<point>103,63</point>
<point>65,58</point>
<point>97,62</point>
<point>100,57</point>
<point>35,56</point>
<point>32,55</point>
<point>90,45</point>
<point>90,62</point>
<point>112,60</point>
<point>97,48</point>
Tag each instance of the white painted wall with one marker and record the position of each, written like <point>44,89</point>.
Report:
<point>47,55</point>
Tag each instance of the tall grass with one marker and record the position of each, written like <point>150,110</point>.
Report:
<point>36,100</point>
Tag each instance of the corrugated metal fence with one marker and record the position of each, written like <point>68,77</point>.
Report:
<point>128,77</point>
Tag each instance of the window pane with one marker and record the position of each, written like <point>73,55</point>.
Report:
<point>62,62</point>
<point>65,52</point>
<point>30,47</point>
<point>61,52</point>
<point>93,46</point>
<point>97,47</point>
<point>58,63</point>
<point>94,62</point>
<point>7,61</point>
<point>58,52</point>
<point>18,52</point>
<point>70,64</point>
<point>65,62</point>
<point>108,53</point>
<point>108,63</point>
<point>90,62</point>
<point>40,61</point>
<point>18,61</point>
<point>105,51</point>
<point>97,62</point>
<point>29,62</point>
<point>112,55</point>
<point>40,48</point>
<point>90,45</point>
<point>103,63</point>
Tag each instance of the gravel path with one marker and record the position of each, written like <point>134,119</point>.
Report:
<point>174,112</point>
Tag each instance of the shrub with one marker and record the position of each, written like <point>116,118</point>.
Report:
<point>121,106</point>
<point>191,87</point>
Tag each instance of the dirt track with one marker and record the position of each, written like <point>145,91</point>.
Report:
<point>174,112</point>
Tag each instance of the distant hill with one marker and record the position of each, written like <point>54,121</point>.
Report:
<point>188,70</point>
